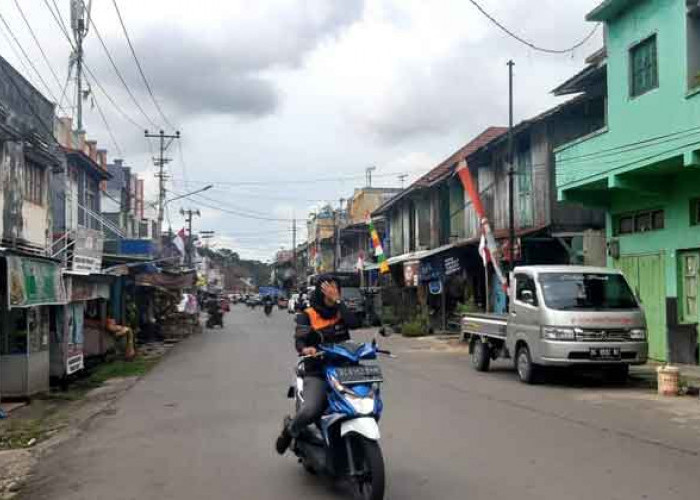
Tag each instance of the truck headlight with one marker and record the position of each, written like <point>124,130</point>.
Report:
<point>558,333</point>
<point>638,334</point>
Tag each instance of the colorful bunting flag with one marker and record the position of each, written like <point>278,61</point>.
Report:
<point>377,245</point>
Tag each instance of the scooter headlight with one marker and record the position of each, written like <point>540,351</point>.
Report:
<point>361,405</point>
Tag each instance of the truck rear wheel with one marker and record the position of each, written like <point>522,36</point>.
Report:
<point>481,356</point>
<point>528,372</point>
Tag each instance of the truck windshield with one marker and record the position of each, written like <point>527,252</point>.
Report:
<point>576,291</point>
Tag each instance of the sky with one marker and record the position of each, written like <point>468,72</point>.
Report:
<point>283,104</point>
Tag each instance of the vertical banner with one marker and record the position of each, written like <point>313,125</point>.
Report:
<point>377,244</point>
<point>493,248</point>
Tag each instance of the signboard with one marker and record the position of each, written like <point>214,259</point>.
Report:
<point>505,249</point>
<point>33,282</point>
<point>80,289</point>
<point>430,271</point>
<point>135,247</point>
<point>452,266</point>
<point>87,251</point>
<point>411,272</point>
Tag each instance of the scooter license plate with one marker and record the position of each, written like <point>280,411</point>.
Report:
<point>359,374</point>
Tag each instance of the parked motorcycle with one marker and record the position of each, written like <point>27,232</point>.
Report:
<point>344,443</point>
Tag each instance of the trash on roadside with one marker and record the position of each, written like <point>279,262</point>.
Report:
<point>668,380</point>
<point>31,442</point>
<point>2,414</point>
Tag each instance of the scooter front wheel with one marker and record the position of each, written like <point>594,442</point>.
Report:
<point>370,484</point>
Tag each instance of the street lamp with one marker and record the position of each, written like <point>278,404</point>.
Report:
<point>205,188</point>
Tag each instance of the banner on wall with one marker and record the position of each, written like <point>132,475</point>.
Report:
<point>33,282</point>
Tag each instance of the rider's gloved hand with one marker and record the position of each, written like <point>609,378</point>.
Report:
<point>308,351</point>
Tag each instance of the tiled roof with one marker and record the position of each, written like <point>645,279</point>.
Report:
<point>444,169</point>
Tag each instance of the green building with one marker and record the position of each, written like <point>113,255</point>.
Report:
<point>643,166</point>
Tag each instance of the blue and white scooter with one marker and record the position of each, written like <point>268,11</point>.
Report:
<point>344,443</point>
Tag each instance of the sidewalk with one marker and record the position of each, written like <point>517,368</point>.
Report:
<point>689,374</point>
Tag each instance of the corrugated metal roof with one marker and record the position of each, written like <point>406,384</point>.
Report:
<point>444,169</point>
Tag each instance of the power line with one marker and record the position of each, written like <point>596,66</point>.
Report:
<point>109,129</point>
<point>41,49</point>
<point>116,70</point>
<point>303,181</point>
<point>528,43</point>
<point>58,18</point>
<point>140,68</point>
<point>236,212</point>
<point>623,148</point>
<point>29,60</point>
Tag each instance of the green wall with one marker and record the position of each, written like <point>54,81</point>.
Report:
<point>668,109</point>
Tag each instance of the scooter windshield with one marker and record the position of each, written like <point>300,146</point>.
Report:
<point>349,351</point>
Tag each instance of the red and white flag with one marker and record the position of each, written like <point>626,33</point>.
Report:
<point>488,242</point>
<point>179,241</point>
<point>484,252</point>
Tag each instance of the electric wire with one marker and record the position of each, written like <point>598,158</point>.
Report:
<point>116,70</point>
<point>528,43</point>
<point>29,60</point>
<point>109,129</point>
<point>39,46</point>
<point>58,18</point>
<point>140,68</point>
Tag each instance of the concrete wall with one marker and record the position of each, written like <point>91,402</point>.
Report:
<point>631,120</point>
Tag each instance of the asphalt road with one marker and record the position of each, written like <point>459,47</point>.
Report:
<point>203,422</point>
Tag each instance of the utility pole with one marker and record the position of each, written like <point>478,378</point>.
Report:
<point>368,175</point>
<point>80,23</point>
<point>511,172</point>
<point>160,162</point>
<point>294,248</point>
<point>402,178</point>
<point>188,249</point>
<point>336,250</point>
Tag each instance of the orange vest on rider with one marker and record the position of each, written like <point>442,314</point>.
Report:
<point>319,323</point>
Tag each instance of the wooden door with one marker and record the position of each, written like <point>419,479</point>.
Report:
<point>645,275</point>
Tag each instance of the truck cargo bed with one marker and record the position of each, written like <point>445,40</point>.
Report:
<point>487,324</point>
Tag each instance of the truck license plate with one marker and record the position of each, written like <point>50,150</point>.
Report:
<point>605,353</point>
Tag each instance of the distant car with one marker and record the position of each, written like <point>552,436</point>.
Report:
<point>282,302</point>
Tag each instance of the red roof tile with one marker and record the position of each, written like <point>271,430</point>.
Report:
<point>444,168</point>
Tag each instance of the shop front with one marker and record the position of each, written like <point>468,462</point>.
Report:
<point>32,291</point>
<point>79,325</point>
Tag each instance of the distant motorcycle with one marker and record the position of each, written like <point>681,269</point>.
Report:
<point>216,318</point>
<point>268,309</point>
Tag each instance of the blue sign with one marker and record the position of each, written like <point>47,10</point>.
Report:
<point>135,247</point>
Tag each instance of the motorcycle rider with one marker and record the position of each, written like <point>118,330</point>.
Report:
<point>327,320</point>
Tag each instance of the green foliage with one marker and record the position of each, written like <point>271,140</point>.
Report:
<point>232,266</point>
<point>417,327</point>
<point>469,307</point>
<point>121,368</point>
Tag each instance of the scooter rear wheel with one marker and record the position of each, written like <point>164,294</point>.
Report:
<point>370,486</point>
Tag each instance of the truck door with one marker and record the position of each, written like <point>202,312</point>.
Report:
<point>523,322</point>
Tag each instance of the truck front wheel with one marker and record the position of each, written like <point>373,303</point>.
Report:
<point>481,356</point>
<point>528,372</point>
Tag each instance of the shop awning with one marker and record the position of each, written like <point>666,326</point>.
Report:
<point>81,288</point>
<point>167,280</point>
<point>421,254</point>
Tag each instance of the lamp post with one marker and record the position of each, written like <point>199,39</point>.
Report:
<point>179,197</point>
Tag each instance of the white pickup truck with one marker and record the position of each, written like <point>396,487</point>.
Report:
<point>562,316</point>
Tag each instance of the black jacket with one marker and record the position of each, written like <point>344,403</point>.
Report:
<point>306,336</point>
